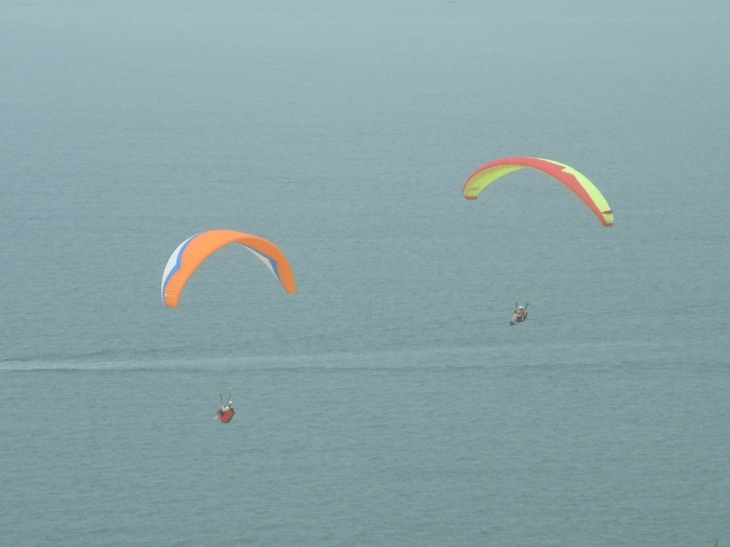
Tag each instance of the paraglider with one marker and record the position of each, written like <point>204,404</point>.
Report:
<point>575,181</point>
<point>225,413</point>
<point>192,252</point>
<point>520,314</point>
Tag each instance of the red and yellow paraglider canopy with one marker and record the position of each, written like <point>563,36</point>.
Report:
<point>573,179</point>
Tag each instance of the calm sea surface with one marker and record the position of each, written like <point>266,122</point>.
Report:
<point>388,402</point>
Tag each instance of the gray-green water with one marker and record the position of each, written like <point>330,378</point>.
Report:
<point>388,402</point>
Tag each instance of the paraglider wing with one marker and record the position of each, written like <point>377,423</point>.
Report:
<point>194,251</point>
<point>574,180</point>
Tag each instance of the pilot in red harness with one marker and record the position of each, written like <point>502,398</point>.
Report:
<point>225,412</point>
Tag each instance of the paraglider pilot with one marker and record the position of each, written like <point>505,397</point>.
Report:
<point>225,412</point>
<point>520,314</point>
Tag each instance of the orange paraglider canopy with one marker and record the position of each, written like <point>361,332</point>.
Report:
<point>192,252</point>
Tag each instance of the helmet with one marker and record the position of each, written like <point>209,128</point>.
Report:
<point>521,308</point>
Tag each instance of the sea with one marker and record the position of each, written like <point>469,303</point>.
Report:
<point>388,402</point>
